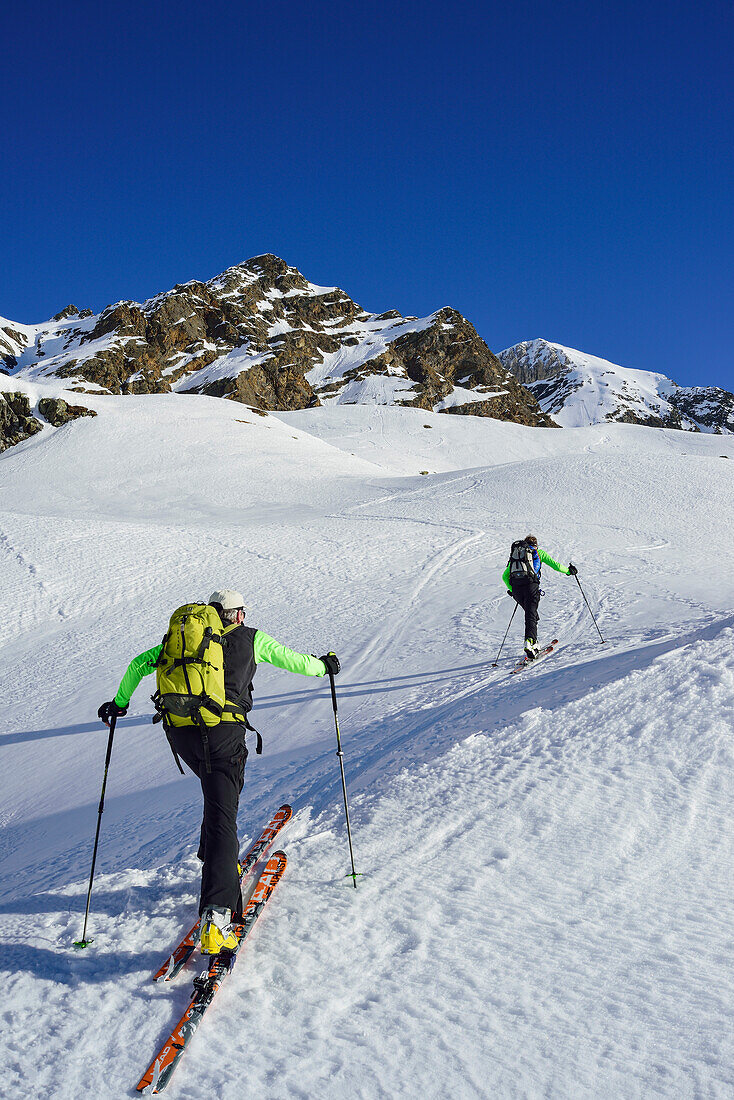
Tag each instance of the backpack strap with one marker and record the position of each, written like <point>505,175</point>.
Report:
<point>169,739</point>
<point>160,716</point>
<point>203,730</point>
<point>239,715</point>
<point>259,743</point>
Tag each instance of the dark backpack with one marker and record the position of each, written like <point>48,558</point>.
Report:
<point>521,561</point>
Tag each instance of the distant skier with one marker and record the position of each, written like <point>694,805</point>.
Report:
<point>203,702</point>
<point>522,580</point>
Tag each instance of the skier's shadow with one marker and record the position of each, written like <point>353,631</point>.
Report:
<point>264,702</point>
<point>24,736</point>
<point>112,902</point>
<point>373,687</point>
<point>69,967</point>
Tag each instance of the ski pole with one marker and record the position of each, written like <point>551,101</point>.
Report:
<point>340,754</point>
<point>84,942</point>
<point>578,582</point>
<point>512,616</point>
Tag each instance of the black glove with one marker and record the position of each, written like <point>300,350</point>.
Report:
<point>332,663</point>
<point>572,570</point>
<point>110,710</point>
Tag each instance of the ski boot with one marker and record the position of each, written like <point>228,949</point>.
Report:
<point>531,649</point>
<point>217,933</point>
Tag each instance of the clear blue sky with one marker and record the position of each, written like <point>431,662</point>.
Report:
<point>550,169</point>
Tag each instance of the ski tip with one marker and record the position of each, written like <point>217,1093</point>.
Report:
<point>148,1084</point>
<point>286,809</point>
<point>276,864</point>
<point>165,973</point>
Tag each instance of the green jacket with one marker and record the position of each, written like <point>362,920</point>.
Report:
<point>266,649</point>
<point>545,559</point>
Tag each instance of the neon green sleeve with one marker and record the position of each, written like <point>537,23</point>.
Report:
<point>548,560</point>
<point>140,666</point>
<point>506,577</point>
<point>267,649</point>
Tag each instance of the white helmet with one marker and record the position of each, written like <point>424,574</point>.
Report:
<point>228,599</point>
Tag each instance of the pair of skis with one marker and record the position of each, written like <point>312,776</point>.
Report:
<point>161,1069</point>
<point>528,661</point>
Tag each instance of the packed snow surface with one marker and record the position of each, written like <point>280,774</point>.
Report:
<point>546,907</point>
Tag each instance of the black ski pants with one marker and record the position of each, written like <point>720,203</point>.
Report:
<point>218,845</point>
<point>527,593</point>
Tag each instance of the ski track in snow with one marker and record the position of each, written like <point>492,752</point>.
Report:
<point>546,907</point>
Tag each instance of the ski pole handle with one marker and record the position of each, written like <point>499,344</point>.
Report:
<point>333,690</point>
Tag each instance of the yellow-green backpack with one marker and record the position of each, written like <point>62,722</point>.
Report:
<point>190,670</point>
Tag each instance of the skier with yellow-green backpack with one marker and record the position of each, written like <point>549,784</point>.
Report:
<point>204,670</point>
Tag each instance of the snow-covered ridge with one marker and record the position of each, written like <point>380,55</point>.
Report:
<point>262,333</point>
<point>13,338</point>
<point>578,389</point>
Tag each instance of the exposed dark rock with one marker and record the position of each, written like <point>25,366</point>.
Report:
<point>12,341</point>
<point>57,412</point>
<point>451,353</point>
<point>529,368</point>
<point>651,420</point>
<point>16,422</point>
<point>706,405</point>
<point>124,319</point>
<point>69,311</point>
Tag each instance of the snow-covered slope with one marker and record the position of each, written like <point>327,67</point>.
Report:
<point>578,389</point>
<point>13,339</point>
<point>546,905</point>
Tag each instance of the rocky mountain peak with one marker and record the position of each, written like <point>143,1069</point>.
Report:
<point>534,360</point>
<point>262,333</point>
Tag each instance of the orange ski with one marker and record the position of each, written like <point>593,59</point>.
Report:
<point>526,662</point>
<point>160,1071</point>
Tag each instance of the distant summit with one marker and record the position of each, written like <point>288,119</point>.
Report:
<point>263,334</point>
<point>577,389</point>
